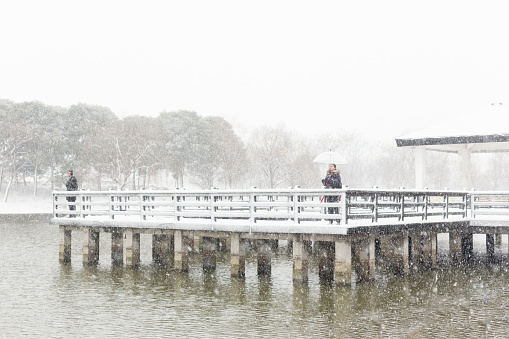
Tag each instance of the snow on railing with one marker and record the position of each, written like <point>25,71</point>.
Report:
<point>489,204</point>
<point>255,205</point>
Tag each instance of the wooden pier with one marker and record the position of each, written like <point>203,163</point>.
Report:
<point>400,224</point>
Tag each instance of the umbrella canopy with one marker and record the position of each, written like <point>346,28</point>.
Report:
<point>330,158</point>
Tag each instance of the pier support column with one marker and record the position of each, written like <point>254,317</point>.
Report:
<point>161,248</point>
<point>490,246</point>
<point>209,247</point>
<point>365,254</point>
<point>326,258</point>
<point>237,256</point>
<point>64,251</point>
<point>434,248</point>
<point>300,260</point>
<point>455,247</point>
<point>461,247</point>
<point>264,257</point>
<point>196,243</point>
<point>416,256</point>
<point>132,248</point>
<point>429,250</point>
<point>467,247</point>
<point>117,247</point>
<point>168,254</point>
<point>343,264</point>
<point>181,253</point>
<point>401,263</point>
<point>90,246</point>
<point>498,239</point>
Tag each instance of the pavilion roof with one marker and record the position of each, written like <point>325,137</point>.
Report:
<point>481,134</point>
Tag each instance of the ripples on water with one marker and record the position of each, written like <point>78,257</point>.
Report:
<point>41,298</point>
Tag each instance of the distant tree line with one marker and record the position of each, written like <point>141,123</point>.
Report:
<point>39,143</point>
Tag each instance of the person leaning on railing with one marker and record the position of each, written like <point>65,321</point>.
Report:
<point>71,185</point>
<point>332,180</point>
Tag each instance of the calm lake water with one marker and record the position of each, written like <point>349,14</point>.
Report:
<point>41,298</point>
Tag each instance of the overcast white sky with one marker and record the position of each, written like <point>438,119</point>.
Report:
<point>376,66</point>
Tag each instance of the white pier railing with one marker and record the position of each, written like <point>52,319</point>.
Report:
<point>255,205</point>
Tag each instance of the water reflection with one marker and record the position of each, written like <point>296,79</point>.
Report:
<point>39,295</point>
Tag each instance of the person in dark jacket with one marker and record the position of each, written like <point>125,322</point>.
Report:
<point>332,181</point>
<point>71,185</point>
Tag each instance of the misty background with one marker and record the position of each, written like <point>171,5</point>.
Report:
<point>39,143</point>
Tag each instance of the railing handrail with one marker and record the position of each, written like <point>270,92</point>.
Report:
<point>274,191</point>
<point>268,204</point>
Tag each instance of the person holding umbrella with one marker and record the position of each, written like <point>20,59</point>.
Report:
<point>332,180</point>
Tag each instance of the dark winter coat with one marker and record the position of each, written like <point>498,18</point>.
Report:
<point>332,180</point>
<point>71,185</point>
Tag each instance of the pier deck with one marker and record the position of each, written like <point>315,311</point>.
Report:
<point>402,224</point>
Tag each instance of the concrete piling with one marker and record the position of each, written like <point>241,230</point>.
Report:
<point>132,248</point>
<point>64,245</point>
<point>343,261</point>
<point>401,259</point>
<point>181,253</point>
<point>300,260</point>
<point>90,246</point>
<point>209,247</point>
<point>264,257</point>
<point>365,257</point>
<point>237,256</point>
<point>335,254</point>
<point>117,247</point>
<point>325,252</point>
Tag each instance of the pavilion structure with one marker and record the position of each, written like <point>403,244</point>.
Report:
<point>485,134</point>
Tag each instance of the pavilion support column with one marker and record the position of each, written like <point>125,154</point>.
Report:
<point>117,247</point>
<point>64,251</point>
<point>343,261</point>
<point>264,257</point>
<point>420,167</point>
<point>466,168</point>
<point>90,246</point>
<point>237,256</point>
<point>300,260</point>
<point>132,248</point>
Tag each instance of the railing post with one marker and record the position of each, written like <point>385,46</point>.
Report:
<point>425,206</point>
<point>375,207</point>
<point>402,202</point>
<point>212,207</point>
<point>446,214</point>
<point>344,211</point>
<point>296,208</point>
<point>252,208</point>
<point>472,205</point>
<point>55,206</point>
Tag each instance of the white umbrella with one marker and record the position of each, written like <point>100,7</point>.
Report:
<point>330,158</point>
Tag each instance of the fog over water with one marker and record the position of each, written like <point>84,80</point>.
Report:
<point>42,298</point>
